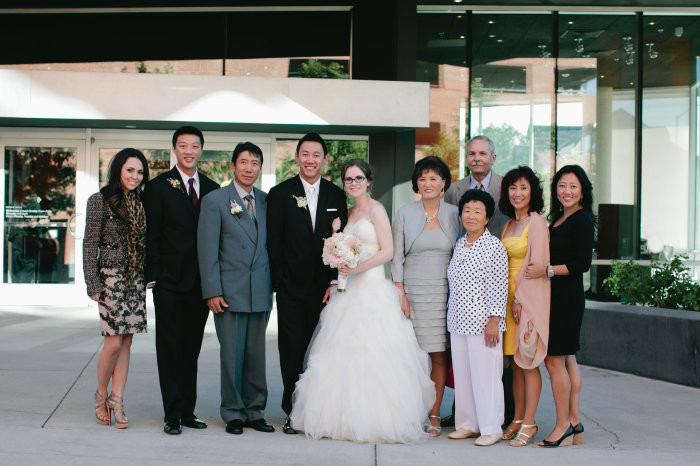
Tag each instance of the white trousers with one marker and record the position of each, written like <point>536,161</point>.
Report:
<point>478,387</point>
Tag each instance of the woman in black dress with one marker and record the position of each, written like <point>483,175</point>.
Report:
<point>571,247</point>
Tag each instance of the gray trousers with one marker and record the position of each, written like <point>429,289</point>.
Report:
<point>242,350</point>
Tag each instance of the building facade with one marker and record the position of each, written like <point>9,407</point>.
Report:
<point>611,86</point>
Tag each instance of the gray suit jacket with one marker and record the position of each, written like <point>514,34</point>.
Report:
<point>457,189</point>
<point>409,222</point>
<point>233,259</point>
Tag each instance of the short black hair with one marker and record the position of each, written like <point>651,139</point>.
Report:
<point>431,163</point>
<point>536,193</point>
<point>188,130</point>
<point>481,196</point>
<point>313,137</point>
<point>246,146</point>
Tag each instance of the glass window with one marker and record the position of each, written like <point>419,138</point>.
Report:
<point>442,61</point>
<point>670,82</point>
<point>158,161</point>
<point>512,89</point>
<point>39,205</point>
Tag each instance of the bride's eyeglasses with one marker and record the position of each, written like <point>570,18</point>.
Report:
<point>358,179</point>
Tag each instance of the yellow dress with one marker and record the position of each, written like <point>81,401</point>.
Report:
<point>517,248</point>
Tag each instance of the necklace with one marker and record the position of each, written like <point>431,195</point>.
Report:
<point>430,218</point>
<point>518,219</point>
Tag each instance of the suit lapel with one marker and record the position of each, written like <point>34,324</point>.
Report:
<point>262,224</point>
<point>298,191</point>
<point>182,192</point>
<point>245,221</point>
<point>321,204</point>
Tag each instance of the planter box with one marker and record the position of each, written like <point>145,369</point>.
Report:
<point>658,343</point>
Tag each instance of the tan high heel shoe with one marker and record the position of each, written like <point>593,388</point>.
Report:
<point>578,434</point>
<point>522,438</point>
<point>116,405</point>
<point>100,408</point>
<point>512,431</point>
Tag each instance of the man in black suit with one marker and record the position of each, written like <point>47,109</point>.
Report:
<point>300,211</point>
<point>172,209</point>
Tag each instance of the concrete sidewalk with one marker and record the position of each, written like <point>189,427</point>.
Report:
<point>47,381</point>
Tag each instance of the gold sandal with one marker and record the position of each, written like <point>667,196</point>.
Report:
<point>434,431</point>
<point>116,405</point>
<point>511,431</point>
<point>519,441</point>
<point>101,407</point>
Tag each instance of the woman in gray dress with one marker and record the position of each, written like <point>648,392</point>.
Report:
<point>113,262</point>
<point>425,233</point>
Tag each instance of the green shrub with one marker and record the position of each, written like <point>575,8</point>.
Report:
<point>667,285</point>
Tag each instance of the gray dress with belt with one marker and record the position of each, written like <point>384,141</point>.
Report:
<point>421,258</point>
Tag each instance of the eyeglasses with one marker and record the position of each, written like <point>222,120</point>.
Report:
<point>358,179</point>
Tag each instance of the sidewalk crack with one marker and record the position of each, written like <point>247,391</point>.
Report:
<point>614,435</point>
<point>71,386</point>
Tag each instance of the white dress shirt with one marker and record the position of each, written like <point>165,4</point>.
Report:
<point>311,191</point>
<point>186,179</point>
<point>478,281</point>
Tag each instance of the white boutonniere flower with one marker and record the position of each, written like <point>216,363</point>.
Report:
<point>236,209</point>
<point>301,201</point>
<point>175,183</point>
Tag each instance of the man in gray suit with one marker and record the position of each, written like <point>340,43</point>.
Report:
<point>481,155</point>
<point>235,270</point>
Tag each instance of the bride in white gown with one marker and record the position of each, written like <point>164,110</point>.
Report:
<point>366,379</point>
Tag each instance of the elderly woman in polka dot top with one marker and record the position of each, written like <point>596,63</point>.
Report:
<point>478,282</point>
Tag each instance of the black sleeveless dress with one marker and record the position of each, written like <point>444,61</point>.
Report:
<point>571,244</point>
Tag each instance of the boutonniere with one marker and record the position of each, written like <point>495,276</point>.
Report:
<point>236,209</point>
<point>301,201</point>
<point>175,183</point>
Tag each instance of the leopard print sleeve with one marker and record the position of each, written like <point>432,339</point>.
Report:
<point>91,243</point>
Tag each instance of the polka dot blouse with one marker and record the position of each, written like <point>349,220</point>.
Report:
<point>478,281</point>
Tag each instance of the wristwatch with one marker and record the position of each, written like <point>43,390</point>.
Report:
<point>550,271</point>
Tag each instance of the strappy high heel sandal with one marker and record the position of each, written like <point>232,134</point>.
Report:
<point>434,431</point>
<point>100,408</point>
<point>522,438</point>
<point>116,405</point>
<point>578,434</point>
<point>512,431</point>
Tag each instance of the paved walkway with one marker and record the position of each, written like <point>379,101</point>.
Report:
<point>47,380</point>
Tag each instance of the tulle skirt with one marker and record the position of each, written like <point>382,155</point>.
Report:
<point>366,378</point>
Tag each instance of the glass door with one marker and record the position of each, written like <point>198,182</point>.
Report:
<point>41,233</point>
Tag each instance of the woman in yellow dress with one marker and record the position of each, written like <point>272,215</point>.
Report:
<point>526,238</point>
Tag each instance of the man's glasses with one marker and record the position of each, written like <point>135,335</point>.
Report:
<point>357,179</point>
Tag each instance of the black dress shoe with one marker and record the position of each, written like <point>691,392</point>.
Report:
<point>448,421</point>
<point>172,428</point>
<point>234,427</point>
<point>260,425</point>
<point>287,427</point>
<point>194,423</point>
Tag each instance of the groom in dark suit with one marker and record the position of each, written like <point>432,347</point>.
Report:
<point>300,211</point>
<point>172,208</point>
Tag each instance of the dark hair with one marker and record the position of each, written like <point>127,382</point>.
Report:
<point>113,191</point>
<point>246,146</point>
<point>359,163</point>
<point>431,163</point>
<point>188,130</point>
<point>536,193</point>
<point>586,192</point>
<point>313,137</point>
<point>481,196</point>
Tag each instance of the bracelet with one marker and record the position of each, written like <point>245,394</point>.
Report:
<point>550,271</point>
<point>515,301</point>
<point>334,282</point>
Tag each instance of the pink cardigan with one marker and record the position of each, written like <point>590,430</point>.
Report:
<point>532,332</point>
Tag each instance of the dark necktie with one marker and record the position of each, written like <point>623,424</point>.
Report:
<point>193,194</point>
<point>480,187</point>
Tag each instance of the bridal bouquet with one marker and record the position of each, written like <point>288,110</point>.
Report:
<point>342,250</point>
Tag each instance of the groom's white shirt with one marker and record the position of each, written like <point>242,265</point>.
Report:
<point>311,199</point>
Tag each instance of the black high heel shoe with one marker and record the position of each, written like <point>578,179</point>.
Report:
<point>564,441</point>
<point>578,434</point>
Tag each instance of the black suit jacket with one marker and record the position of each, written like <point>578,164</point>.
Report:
<point>171,232</point>
<point>294,247</point>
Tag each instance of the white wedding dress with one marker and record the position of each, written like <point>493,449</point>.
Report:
<point>366,379</point>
